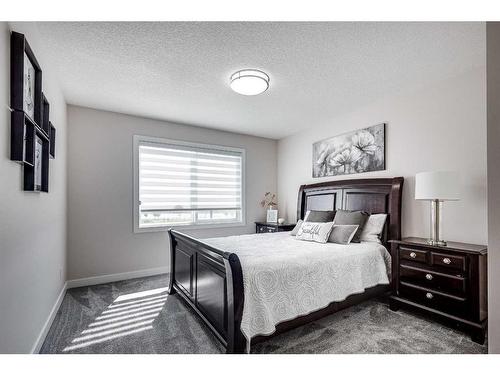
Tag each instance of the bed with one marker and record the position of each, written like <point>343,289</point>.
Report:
<point>248,288</point>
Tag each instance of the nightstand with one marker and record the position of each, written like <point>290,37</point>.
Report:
<point>263,227</point>
<point>449,282</point>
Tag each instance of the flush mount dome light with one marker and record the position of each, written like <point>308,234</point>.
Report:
<point>249,82</point>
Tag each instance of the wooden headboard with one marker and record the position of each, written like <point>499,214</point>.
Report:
<point>372,195</point>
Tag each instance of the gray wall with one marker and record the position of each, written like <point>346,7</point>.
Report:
<point>100,190</point>
<point>493,64</point>
<point>32,225</point>
<point>442,127</point>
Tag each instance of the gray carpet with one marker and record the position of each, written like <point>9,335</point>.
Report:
<point>137,316</point>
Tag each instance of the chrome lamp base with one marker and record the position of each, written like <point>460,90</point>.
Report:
<point>436,208</point>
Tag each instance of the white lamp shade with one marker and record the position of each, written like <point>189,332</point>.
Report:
<point>443,186</point>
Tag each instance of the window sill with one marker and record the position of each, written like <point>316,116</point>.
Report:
<point>190,226</point>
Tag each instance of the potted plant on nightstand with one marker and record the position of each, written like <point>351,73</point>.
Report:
<point>269,202</point>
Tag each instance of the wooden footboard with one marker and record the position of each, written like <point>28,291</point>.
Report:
<point>211,282</point>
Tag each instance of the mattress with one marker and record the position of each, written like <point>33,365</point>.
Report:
<point>284,278</point>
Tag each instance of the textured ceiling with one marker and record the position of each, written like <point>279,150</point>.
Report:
<point>179,71</point>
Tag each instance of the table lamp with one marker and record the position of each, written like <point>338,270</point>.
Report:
<point>437,187</point>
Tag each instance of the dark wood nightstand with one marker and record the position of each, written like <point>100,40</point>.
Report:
<point>447,281</point>
<point>263,227</point>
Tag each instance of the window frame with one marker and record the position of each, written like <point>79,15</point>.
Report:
<point>137,139</point>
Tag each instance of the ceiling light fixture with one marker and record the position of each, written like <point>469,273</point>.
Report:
<point>249,82</point>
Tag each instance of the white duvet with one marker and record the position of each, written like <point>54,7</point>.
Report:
<point>284,278</point>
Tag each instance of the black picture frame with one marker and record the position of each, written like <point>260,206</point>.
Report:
<point>45,124</point>
<point>31,182</point>
<point>38,164</point>
<point>31,133</point>
<point>52,136</point>
<point>22,138</point>
<point>19,46</point>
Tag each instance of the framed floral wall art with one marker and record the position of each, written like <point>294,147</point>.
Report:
<point>354,152</point>
<point>32,134</point>
<point>38,163</point>
<point>26,79</point>
<point>28,87</point>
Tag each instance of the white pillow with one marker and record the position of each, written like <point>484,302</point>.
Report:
<point>317,232</point>
<point>373,228</point>
<point>296,228</point>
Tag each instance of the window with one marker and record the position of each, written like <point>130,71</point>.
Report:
<point>180,183</point>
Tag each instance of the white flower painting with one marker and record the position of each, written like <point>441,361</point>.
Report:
<point>354,152</point>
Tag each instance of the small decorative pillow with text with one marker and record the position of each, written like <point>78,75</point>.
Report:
<point>342,234</point>
<point>295,230</point>
<point>373,228</point>
<point>317,232</point>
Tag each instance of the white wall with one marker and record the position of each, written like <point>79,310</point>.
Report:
<point>442,127</point>
<point>32,225</point>
<point>493,63</point>
<point>100,190</point>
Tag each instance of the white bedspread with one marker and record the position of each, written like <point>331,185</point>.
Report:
<point>284,278</point>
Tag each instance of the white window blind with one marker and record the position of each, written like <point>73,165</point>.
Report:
<point>188,184</point>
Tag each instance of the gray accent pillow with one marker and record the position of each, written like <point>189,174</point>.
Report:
<point>296,228</point>
<point>317,232</point>
<point>344,217</point>
<point>342,234</point>
<point>319,216</point>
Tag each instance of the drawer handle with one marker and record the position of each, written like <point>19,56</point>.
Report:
<point>446,260</point>
<point>413,255</point>
<point>429,276</point>
<point>429,296</point>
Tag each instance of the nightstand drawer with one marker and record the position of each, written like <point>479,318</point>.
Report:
<point>434,299</point>
<point>432,279</point>
<point>413,254</point>
<point>454,262</point>
<point>266,229</point>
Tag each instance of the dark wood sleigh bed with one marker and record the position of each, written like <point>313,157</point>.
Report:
<point>211,280</point>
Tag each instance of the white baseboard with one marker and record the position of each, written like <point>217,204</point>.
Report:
<point>45,329</point>
<point>94,280</point>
